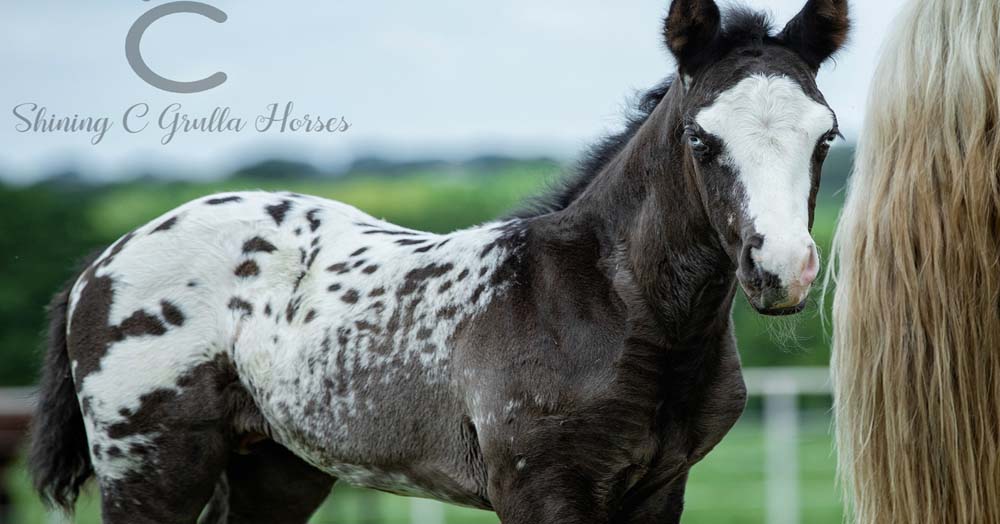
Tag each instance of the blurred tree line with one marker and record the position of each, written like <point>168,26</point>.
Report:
<point>46,228</point>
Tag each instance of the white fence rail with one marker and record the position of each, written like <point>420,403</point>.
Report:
<point>779,388</point>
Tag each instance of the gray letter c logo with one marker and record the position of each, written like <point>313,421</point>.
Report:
<point>134,56</point>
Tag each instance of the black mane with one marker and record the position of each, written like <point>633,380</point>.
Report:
<point>742,27</point>
<point>566,190</point>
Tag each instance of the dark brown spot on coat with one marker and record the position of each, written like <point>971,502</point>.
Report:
<point>116,249</point>
<point>171,313</point>
<point>166,225</point>
<point>339,268</point>
<point>87,346</point>
<point>138,324</point>
<point>248,268</point>
<point>238,304</point>
<point>314,222</point>
<point>223,200</point>
<point>486,250</point>
<point>447,312</point>
<point>358,252</point>
<point>377,292</point>
<point>388,232</point>
<point>310,316</point>
<point>414,278</point>
<point>312,257</point>
<point>333,287</point>
<point>351,296</point>
<point>370,269</point>
<point>462,275</point>
<point>364,325</point>
<point>410,241</point>
<point>278,211</point>
<point>258,245</point>
<point>292,308</point>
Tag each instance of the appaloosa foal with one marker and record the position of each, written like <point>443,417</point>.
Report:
<point>567,365</point>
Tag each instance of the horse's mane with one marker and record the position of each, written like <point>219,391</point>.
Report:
<point>741,27</point>
<point>564,191</point>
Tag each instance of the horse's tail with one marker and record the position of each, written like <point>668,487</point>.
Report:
<point>58,459</point>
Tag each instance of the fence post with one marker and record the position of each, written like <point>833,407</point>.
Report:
<point>781,443</point>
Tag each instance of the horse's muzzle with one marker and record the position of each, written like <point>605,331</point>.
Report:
<point>770,294</point>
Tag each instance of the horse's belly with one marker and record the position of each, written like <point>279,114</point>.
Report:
<point>401,442</point>
<point>372,422</point>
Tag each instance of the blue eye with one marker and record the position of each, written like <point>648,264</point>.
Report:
<point>697,144</point>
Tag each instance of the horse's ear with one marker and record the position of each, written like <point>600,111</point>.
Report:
<point>818,31</point>
<point>690,30</point>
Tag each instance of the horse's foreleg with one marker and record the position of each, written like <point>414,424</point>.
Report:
<point>270,485</point>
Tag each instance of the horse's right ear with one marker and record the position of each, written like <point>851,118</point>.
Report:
<point>690,30</point>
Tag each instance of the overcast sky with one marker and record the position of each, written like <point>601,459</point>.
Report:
<point>414,79</point>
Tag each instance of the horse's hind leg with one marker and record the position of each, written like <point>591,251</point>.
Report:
<point>173,489</point>
<point>272,486</point>
<point>160,463</point>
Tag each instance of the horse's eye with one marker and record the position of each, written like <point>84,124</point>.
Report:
<point>830,138</point>
<point>697,144</point>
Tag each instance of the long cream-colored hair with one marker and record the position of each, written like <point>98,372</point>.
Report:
<point>916,314</point>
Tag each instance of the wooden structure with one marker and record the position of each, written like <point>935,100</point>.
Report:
<point>16,405</point>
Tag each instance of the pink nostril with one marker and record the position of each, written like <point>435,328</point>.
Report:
<point>810,270</point>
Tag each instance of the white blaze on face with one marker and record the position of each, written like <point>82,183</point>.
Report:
<point>769,130</point>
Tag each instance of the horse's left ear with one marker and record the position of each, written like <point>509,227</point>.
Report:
<point>818,31</point>
<point>690,30</point>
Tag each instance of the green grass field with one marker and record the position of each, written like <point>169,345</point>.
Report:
<point>726,488</point>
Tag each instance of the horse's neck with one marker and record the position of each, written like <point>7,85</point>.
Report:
<point>648,217</point>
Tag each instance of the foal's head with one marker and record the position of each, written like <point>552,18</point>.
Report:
<point>756,131</point>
